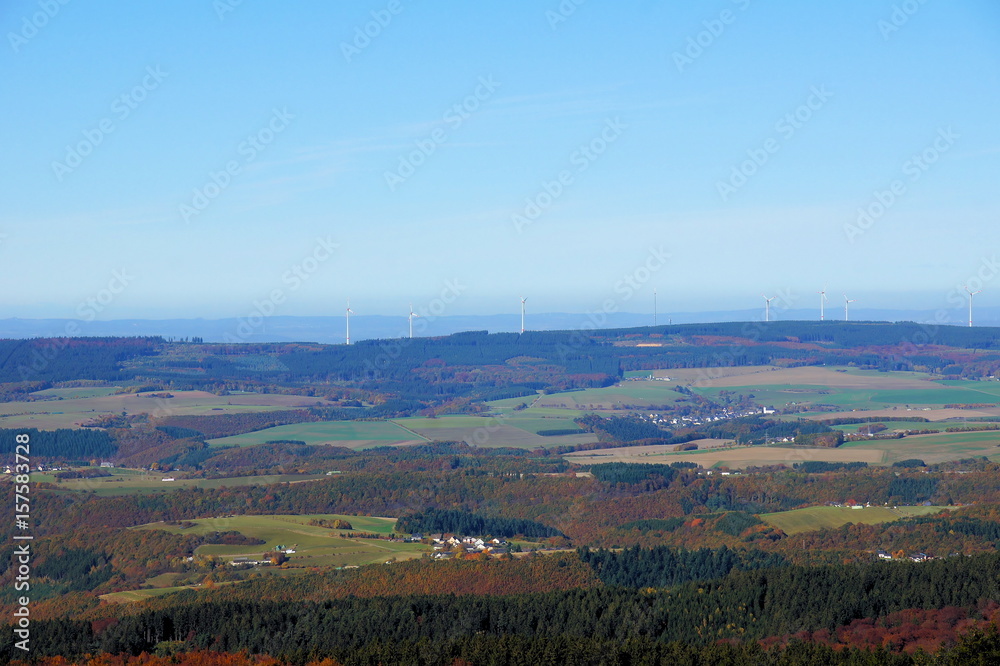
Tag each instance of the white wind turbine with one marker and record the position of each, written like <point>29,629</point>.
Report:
<point>412,315</point>
<point>767,307</point>
<point>822,302</point>
<point>654,306</point>
<point>349,313</point>
<point>971,294</point>
<point>523,299</point>
<point>847,302</point>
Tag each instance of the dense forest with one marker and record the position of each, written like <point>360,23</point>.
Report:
<point>741,605</point>
<point>472,524</point>
<point>75,444</point>
<point>477,365</point>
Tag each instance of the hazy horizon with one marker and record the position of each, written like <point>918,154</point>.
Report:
<point>202,158</point>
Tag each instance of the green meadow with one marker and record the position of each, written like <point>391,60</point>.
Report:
<point>846,399</point>
<point>352,434</point>
<point>636,393</point>
<point>934,448</point>
<point>314,546</point>
<point>129,482</point>
<point>831,517</point>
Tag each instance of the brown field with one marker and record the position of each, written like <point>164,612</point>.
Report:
<point>736,458</point>
<point>929,414</point>
<point>810,376</point>
<point>639,453</point>
<point>70,413</point>
<point>691,375</point>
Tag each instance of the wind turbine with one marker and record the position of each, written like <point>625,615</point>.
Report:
<point>847,301</point>
<point>349,313</point>
<point>523,299</point>
<point>822,301</point>
<point>971,294</point>
<point>412,315</point>
<point>767,307</point>
<point>654,306</point>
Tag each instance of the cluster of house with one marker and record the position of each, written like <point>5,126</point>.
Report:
<point>9,469</point>
<point>724,415</point>
<point>913,557</point>
<point>448,545</point>
<point>237,561</point>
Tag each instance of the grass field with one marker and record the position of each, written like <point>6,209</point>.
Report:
<point>899,425</point>
<point>818,376</point>
<point>987,388</point>
<point>849,389</point>
<point>637,393</point>
<point>352,434</point>
<point>497,431</point>
<point>142,595</point>
<point>929,413</point>
<point>933,448</point>
<point>70,412</point>
<point>850,399</point>
<point>734,458</point>
<point>829,517</point>
<point>314,546</point>
<point>76,392</point>
<point>129,482</point>
<point>507,428</point>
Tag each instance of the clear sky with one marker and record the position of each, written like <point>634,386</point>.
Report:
<point>202,159</point>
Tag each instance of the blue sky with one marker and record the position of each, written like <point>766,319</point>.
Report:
<point>202,159</point>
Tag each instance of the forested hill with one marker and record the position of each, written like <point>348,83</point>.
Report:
<point>480,365</point>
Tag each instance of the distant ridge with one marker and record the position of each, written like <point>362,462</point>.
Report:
<point>330,330</point>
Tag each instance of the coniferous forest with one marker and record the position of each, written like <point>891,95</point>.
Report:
<point>162,535</point>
